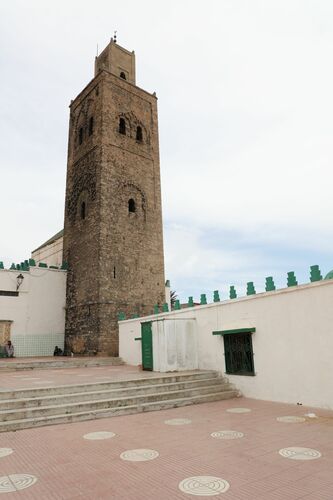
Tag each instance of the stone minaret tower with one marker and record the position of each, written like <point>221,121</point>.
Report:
<point>113,239</point>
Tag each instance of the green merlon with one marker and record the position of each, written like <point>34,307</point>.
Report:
<point>18,267</point>
<point>315,274</point>
<point>13,266</point>
<point>270,286</point>
<point>121,316</point>
<point>250,290</point>
<point>1,265</point>
<point>53,267</point>
<point>156,309</point>
<point>291,281</point>
<point>190,302</point>
<point>167,283</point>
<point>64,266</point>
<point>216,296</point>
<point>165,308</point>
<point>203,299</point>
<point>135,315</point>
<point>177,305</point>
<point>42,264</point>
<point>32,262</point>
<point>233,293</point>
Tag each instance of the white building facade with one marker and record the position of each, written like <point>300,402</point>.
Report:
<point>275,346</point>
<point>32,314</point>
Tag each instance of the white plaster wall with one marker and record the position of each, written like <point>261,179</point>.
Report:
<point>129,347</point>
<point>174,345</point>
<point>38,312</point>
<point>293,342</point>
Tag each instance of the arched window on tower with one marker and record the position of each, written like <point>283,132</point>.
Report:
<point>122,75</point>
<point>91,125</point>
<point>131,206</point>
<point>83,210</point>
<point>81,135</point>
<point>139,134</point>
<point>122,126</point>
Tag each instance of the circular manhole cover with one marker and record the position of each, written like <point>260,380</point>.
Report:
<point>291,419</point>
<point>5,451</point>
<point>298,453</point>
<point>15,482</point>
<point>178,421</point>
<point>99,435</point>
<point>140,455</point>
<point>238,410</point>
<point>227,435</point>
<point>204,485</point>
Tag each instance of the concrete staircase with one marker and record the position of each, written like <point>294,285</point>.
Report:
<point>23,408</point>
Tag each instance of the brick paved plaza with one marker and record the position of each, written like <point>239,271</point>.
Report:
<point>58,462</point>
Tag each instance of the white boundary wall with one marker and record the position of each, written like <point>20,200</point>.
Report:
<point>38,313</point>
<point>292,344</point>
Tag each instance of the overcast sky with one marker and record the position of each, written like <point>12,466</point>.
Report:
<point>245,115</point>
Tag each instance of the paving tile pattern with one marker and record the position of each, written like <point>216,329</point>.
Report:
<point>67,466</point>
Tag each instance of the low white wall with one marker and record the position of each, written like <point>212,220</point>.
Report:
<point>38,313</point>
<point>292,344</point>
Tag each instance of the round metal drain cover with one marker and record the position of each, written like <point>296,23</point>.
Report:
<point>227,435</point>
<point>204,485</point>
<point>99,435</point>
<point>178,421</point>
<point>5,451</point>
<point>238,410</point>
<point>290,419</point>
<point>140,455</point>
<point>297,453</point>
<point>15,482</point>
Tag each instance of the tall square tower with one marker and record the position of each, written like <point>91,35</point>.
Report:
<point>113,239</point>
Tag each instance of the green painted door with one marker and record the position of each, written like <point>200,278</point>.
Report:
<point>147,346</point>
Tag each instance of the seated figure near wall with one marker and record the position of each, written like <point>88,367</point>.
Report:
<point>9,350</point>
<point>57,351</point>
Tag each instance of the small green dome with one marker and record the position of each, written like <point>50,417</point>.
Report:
<point>329,276</point>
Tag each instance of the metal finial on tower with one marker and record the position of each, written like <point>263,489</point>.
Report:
<point>115,36</point>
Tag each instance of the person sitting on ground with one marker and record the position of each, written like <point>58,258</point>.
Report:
<point>9,349</point>
<point>57,351</point>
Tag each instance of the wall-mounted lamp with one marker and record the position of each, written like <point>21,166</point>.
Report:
<point>19,281</point>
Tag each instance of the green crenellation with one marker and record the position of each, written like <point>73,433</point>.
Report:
<point>121,316</point>
<point>177,305</point>
<point>315,274</point>
<point>232,292</point>
<point>64,266</point>
<point>291,280</point>
<point>250,290</point>
<point>156,309</point>
<point>165,307</point>
<point>32,262</point>
<point>1,265</point>
<point>216,296</point>
<point>270,285</point>
<point>203,299</point>
<point>190,302</point>
<point>42,264</point>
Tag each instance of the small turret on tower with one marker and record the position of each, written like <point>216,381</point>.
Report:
<point>116,60</point>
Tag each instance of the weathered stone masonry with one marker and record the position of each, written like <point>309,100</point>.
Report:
<point>113,239</point>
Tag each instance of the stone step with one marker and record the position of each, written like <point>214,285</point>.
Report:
<point>109,393</point>
<point>13,425</point>
<point>89,387</point>
<point>84,406</point>
<point>58,362</point>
